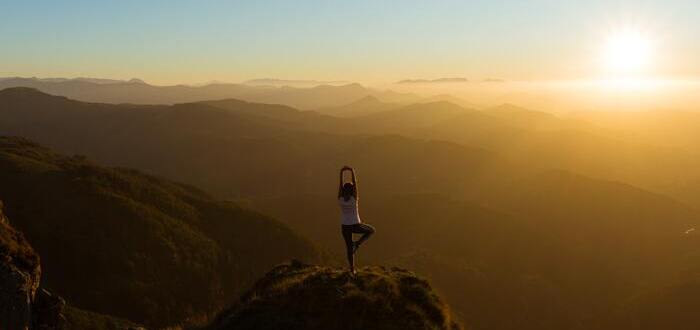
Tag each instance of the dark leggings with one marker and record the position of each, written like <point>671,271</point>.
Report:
<point>360,228</point>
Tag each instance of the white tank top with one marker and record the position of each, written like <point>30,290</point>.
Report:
<point>349,215</point>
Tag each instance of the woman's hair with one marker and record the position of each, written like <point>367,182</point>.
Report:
<point>349,190</point>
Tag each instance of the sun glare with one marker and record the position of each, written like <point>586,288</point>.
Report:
<point>627,52</point>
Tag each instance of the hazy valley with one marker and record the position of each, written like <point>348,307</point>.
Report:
<point>558,222</point>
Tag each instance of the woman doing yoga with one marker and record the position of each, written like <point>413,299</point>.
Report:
<point>350,217</point>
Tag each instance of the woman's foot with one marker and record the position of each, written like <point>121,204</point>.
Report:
<point>355,247</point>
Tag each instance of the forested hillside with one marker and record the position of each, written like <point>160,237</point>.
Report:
<point>120,242</point>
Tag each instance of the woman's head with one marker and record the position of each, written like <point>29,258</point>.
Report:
<point>348,190</point>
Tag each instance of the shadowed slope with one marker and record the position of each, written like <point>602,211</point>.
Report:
<point>123,243</point>
<point>24,303</point>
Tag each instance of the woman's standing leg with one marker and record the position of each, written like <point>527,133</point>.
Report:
<point>349,245</point>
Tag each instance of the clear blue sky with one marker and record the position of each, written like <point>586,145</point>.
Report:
<point>171,41</point>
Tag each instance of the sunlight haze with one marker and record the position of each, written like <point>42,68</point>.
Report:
<point>350,165</point>
<point>371,42</point>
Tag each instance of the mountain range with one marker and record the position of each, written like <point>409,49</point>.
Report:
<point>556,222</point>
<point>138,92</point>
<point>433,81</point>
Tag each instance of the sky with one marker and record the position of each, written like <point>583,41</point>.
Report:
<point>368,41</point>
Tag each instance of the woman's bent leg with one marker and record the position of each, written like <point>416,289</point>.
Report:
<point>364,229</point>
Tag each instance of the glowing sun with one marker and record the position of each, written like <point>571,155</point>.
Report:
<point>627,51</point>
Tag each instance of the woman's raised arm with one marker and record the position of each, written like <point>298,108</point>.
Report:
<point>354,180</point>
<point>340,182</point>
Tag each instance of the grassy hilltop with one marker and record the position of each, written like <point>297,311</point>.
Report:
<point>299,296</point>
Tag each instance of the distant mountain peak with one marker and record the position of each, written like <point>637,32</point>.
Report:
<point>367,99</point>
<point>26,92</point>
<point>437,103</point>
<point>136,81</point>
<point>433,81</point>
<point>292,82</point>
<point>509,107</point>
<point>345,86</point>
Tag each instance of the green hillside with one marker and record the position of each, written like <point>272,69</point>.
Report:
<point>119,242</point>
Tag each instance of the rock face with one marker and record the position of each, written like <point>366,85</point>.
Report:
<point>48,310</point>
<point>19,277</point>
<point>298,296</point>
<point>16,291</point>
<point>23,305</point>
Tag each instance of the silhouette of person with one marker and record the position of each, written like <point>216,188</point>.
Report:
<point>350,217</point>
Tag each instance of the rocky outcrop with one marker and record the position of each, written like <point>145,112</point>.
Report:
<point>299,296</point>
<point>23,305</point>
<point>47,310</point>
<point>17,288</point>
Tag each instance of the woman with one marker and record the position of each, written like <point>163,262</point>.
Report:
<point>350,217</point>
